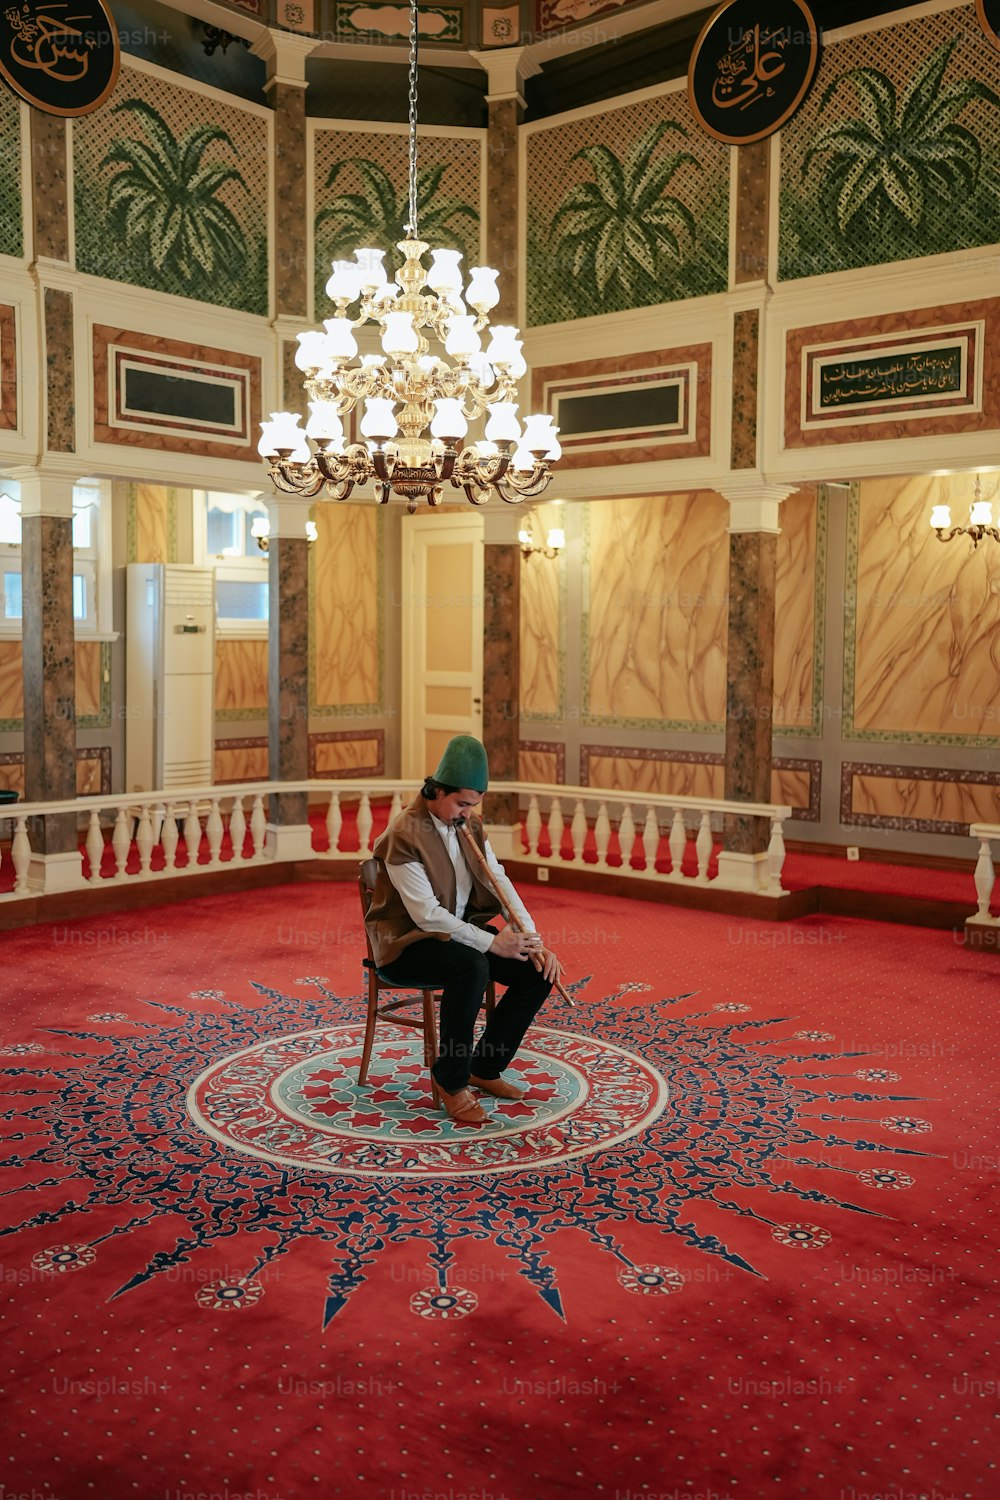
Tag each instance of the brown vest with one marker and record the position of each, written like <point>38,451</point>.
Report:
<point>413,838</point>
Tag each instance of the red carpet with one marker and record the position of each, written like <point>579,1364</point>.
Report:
<point>777,1280</point>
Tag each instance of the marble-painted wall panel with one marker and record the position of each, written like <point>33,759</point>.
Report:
<point>655,610</point>
<point>541,761</point>
<point>542,644</point>
<point>11,683</point>
<point>89,664</point>
<point>923,617</point>
<point>918,798</point>
<point>240,760</point>
<point>798,658</point>
<point>621,771</point>
<point>93,771</point>
<point>346,584</point>
<point>240,679</point>
<point>152,523</point>
<point>347,752</point>
<point>790,787</point>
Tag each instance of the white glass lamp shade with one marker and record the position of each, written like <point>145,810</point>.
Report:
<point>981,513</point>
<point>941,517</point>
<point>502,425</point>
<point>260,527</point>
<point>523,460</point>
<point>344,284</point>
<point>482,293</point>
<point>311,531</point>
<point>398,334</point>
<point>311,353</point>
<point>539,434</point>
<point>379,421</point>
<point>503,346</point>
<point>324,424</point>
<point>386,293</point>
<point>445,274</point>
<point>373,361</point>
<point>556,539</point>
<point>524,537</point>
<point>518,365</point>
<point>462,340</point>
<point>370,267</point>
<point>481,368</point>
<point>485,450</point>
<point>340,341</point>
<point>449,420</point>
<point>282,432</point>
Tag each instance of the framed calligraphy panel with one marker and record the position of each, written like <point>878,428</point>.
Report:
<point>751,68</point>
<point>62,56</point>
<point>927,373</point>
<point>988,12</point>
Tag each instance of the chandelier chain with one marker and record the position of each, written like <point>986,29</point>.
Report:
<point>411,227</point>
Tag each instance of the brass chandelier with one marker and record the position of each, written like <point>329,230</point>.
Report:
<point>417,405</point>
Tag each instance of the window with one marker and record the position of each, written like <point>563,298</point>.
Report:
<point>224,539</point>
<point>91,559</point>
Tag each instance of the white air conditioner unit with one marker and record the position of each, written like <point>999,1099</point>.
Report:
<point>169,676</point>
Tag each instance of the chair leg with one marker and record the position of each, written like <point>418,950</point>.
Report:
<point>431,1042</point>
<point>369,1028</point>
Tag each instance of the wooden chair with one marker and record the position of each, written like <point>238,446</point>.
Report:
<point>394,1010</point>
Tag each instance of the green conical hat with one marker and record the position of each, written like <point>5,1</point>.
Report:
<point>464,764</point>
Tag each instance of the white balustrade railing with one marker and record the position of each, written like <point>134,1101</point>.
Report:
<point>161,835</point>
<point>988,834</point>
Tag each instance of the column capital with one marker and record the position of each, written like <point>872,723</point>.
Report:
<point>507,68</point>
<point>754,504</point>
<point>285,54</point>
<point>502,522</point>
<point>288,515</point>
<point>44,494</point>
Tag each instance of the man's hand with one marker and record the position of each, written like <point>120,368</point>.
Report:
<point>550,966</point>
<point>511,944</point>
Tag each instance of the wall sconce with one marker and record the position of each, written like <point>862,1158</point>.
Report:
<point>554,543</point>
<point>980,520</point>
<point>260,529</point>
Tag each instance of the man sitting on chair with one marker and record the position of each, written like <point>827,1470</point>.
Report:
<point>428,927</point>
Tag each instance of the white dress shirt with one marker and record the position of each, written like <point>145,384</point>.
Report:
<point>417,894</point>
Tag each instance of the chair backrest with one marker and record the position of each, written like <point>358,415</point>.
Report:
<point>367,875</point>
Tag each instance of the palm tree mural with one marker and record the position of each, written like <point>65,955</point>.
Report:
<point>377,215</point>
<point>615,230</point>
<point>163,201</point>
<point>621,240</point>
<point>900,178</point>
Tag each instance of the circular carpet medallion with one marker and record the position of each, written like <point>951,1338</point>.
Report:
<point>296,1101</point>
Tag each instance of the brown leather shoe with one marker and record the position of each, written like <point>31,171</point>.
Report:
<point>498,1087</point>
<point>462,1108</point>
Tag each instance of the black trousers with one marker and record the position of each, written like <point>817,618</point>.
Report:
<point>462,973</point>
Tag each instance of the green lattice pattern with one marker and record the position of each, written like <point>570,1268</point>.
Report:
<point>11,222</point>
<point>171,187</point>
<point>361,196</point>
<point>626,208</point>
<point>895,153</point>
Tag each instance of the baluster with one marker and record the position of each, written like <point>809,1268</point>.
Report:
<point>365,825</point>
<point>396,807</point>
<point>556,826</point>
<point>533,825</point>
<point>192,834</point>
<point>20,853</point>
<point>602,836</point>
<point>703,847</point>
<point>121,842</point>
<point>144,840</point>
<point>984,878</point>
<point>334,822</point>
<point>258,826</point>
<point>776,854</point>
<point>678,845</point>
<point>237,827</point>
<point>578,831</point>
<point>626,836</point>
<point>169,838</point>
<point>214,830</point>
<point>95,845</point>
<point>651,838</point>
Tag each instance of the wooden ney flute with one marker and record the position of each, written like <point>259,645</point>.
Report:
<point>512,916</point>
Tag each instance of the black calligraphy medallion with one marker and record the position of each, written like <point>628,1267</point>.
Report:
<point>988,12</point>
<point>751,68</point>
<point>60,55</point>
